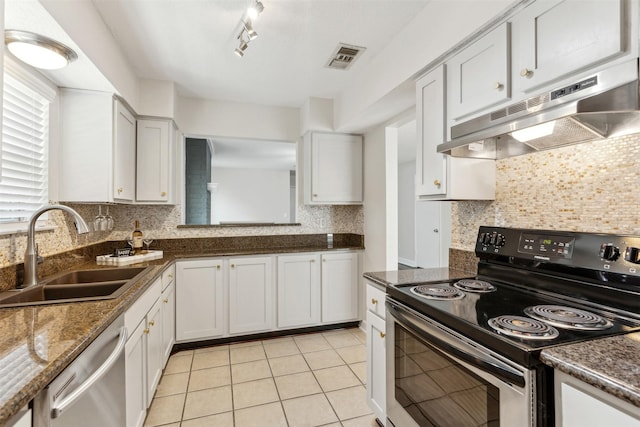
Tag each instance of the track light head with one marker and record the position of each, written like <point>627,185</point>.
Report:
<point>255,9</point>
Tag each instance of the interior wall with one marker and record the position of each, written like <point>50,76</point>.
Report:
<point>590,187</point>
<point>251,195</point>
<point>406,213</point>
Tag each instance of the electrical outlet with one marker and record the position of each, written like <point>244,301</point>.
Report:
<point>322,223</point>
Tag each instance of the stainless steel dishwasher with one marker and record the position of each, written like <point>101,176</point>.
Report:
<point>91,390</point>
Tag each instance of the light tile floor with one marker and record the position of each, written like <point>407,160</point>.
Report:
<point>309,380</point>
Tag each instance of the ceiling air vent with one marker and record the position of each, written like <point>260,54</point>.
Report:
<point>344,56</point>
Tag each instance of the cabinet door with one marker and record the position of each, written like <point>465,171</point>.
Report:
<point>199,300</point>
<point>124,153</point>
<point>552,39</point>
<point>335,165</point>
<point>478,76</point>
<point>136,377</point>
<point>153,172</point>
<point>376,365</point>
<point>339,287</point>
<point>168,321</point>
<point>250,295</point>
<point>431,166</point>
<point>298,290</point>
<point>154,349</point>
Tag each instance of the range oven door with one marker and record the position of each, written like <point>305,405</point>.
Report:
<point>440,378</point>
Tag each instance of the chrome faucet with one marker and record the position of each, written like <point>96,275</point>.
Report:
<point>31,254</point>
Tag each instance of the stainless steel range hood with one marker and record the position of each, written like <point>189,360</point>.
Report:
<point>604,105</point>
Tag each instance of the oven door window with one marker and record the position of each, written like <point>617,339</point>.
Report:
<point>436,390</point>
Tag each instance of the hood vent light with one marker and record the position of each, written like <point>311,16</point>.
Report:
<point>344,56</point>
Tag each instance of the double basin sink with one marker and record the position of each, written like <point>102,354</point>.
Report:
<point>80,285</point>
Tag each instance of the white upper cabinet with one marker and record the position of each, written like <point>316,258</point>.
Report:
<point>440,177</point>
<point>97,148</point>
<point>155,161</point>
<point>555,39</point>
<point>479,76</point>
<point>332,169</point>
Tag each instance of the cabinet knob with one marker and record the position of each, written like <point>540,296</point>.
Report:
<point>313,260</point>
<point>374,301</point>
<point>166,300</point>
<point>233,266</point>
<point>435,230</point>
<point>218,267</point>
<point>170,276</point>
<point>315,195</point>
<point>436,183</point>
<point>164,193</point>
<point>146,331</point>
<point>525,72</point>
<point>382,334</point>
<point>498,86</point>
<point>151,323</point>
<point>119,190</point>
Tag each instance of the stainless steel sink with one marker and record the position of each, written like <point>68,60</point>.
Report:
<point>81,285</point>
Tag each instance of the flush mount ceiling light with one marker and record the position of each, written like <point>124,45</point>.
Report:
<point>247,33</point>
<point>37,50</point>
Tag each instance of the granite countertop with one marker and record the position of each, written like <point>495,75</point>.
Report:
<point>401,277</point>
<point>38,342</point>
<point>610,364</point>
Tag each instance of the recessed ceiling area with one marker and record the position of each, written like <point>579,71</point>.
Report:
<point>192,44</point>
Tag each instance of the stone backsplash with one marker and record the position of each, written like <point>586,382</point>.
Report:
<point>161,222</point>
<point>590,187</point>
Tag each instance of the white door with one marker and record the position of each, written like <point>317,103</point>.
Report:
<point>250,295</point>
<point>433,228</point>
<point>376,365</point>
<point>124,157</point>
<point>136,377</point>
<point>199,299</point>
<point>339,287</point>
<point>298,290</point>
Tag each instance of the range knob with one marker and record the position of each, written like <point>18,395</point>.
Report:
<point>609,252</point>
<point>632,255</point>
<point>500,240</point>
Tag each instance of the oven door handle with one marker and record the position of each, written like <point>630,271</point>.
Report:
<point>449,343</point>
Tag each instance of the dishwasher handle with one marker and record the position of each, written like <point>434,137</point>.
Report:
<point>99,373</point>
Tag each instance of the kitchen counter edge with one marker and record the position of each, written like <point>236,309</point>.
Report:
<point>115,307</point>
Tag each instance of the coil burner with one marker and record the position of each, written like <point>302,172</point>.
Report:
<point>437,292</point>
<point>523,327</point>
<point>568,317</point>
<point>473,285</point>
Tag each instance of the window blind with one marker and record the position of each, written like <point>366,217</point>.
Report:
<point>25,136</point>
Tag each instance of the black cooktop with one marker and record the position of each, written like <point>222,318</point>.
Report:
<point>470,317</point>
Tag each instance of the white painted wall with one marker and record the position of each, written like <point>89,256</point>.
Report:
<point>157,98</point>
<point>199,117</point>
<point>83,24</point>
<point>409,53</point>
<point>406,213</point>
<point>316,115</point>
<point>251,195</point>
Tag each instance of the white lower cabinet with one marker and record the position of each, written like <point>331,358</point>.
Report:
<point>136,377</point>
<point>199,299</point>
<point>298,290</point>
<point>376,353</point>
<point>22,419</point>
<point>144,353</point>
<point>250,295</point>
<point>579,404</point>
<point>339,287</point>
<point>168,320</point>
<point>154,349</point>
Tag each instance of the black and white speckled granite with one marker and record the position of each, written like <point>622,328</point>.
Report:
<point>610,364</point>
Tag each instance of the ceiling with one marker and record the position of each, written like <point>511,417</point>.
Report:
<point>192,42</point>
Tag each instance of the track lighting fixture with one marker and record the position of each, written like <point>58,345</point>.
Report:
<point>247,33</point>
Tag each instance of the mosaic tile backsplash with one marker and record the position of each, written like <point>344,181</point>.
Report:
<point>161,222</point>
<point>591,187</point>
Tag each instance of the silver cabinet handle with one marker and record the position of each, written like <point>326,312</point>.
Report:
<point>97,375</point>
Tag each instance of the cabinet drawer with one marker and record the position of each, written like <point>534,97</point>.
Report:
<point>141,307</point>
<point>168,276</point>
<point>375,301</point>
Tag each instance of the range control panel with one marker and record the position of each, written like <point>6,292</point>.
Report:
<point>605,252</point>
